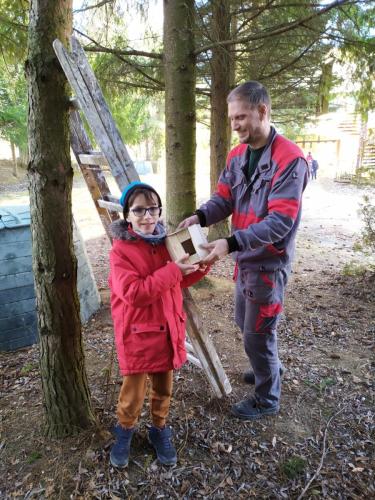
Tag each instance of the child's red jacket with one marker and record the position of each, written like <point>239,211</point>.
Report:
<point>146,303</point>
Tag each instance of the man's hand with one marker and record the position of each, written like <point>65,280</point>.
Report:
<point>218,249</point>
<point>193,219</point>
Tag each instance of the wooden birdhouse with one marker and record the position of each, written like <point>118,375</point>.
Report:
<point>187,240</point>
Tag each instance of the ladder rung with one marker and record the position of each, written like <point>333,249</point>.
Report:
<point>110,205</point>
<point>93,159</point>
<point>189,347</point>
<point>74,103</point>
<point>195,361</point>
<point>113,199</point>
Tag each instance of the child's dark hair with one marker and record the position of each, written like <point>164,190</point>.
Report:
<point>149,194</point>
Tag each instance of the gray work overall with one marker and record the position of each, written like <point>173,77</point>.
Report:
<point>259,301</point>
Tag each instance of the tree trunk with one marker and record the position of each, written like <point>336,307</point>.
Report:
<point>361,145</point>
<point>179,66</point>
<point>64,381</point>
<point>220,86</point>
<point>325,85</point>
<point>14,159</point>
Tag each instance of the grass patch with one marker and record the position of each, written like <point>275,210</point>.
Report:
<point>33,457</point>
<point>27,368</point>
<point>293,467</point>
<point>322,385</point>
<point>354,269</point>
<point>203,283</point>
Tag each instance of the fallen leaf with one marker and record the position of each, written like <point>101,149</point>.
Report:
<point>334,355</point>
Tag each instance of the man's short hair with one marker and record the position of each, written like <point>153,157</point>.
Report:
<point>253,92</point>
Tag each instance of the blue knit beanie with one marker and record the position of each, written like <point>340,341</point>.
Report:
<point>130,188</point>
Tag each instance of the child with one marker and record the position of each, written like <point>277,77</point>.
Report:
<point>148,317</point>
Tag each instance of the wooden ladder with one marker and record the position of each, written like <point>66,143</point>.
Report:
<point>90,100</point>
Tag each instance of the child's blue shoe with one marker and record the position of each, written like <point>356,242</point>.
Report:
<point>119,456</point>
<point>161,439</point>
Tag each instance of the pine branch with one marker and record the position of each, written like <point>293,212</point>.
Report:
<point>291,63</point>
<point>100,48</point>
<point>90,7</point>
<point>257,14</point>
<point>275,31</point>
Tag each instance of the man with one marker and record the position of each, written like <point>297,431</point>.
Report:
<point>314,168</point>
<point>261,187</point>
<point>309,160</point>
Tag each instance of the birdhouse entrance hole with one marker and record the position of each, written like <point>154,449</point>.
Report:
<point>188,246</point>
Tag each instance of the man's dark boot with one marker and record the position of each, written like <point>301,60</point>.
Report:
<point>249,377</point>
<point>119,455</point>
<point>250,409</point>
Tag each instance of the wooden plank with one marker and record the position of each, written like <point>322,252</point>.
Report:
<point>14,250</point>
<point>109,205</point>
<point>92,102</point>
<point>93,158</point>
<point>15,266</point>
<point>189,347</point>
<point>17,321</point>
<point>20,337</point>
<point>16,280</point>
<point>9,309</point>
<point>204,348</point>
<point>22,235</point>
<point>11,295</point>
<point>193,360</point>
<point>112,198</point>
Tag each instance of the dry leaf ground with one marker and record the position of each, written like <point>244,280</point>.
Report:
<point>323,438</point>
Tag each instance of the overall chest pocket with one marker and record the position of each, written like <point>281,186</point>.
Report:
<point>262,183</point>
<point>259,196</point>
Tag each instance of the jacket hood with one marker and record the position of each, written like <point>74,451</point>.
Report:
<point>119,230</point>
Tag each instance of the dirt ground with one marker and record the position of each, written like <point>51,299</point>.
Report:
<point>320,445</point>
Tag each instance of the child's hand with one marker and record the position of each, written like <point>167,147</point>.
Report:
<point>186,268</point>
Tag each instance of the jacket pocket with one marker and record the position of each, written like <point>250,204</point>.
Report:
<point>182,316</point>
<point>147,340</point>
<point>260,288</point>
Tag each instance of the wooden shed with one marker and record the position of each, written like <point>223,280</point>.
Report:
<point>18,321</point>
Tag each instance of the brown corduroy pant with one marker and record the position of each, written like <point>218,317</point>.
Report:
<point>132,396</point>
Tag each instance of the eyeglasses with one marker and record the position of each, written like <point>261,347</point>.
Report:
<point>141,212</point>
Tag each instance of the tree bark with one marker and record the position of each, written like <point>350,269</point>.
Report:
<point>64,381</point>
<point>179,66</point>
<point>325,86</point>
<point>221,78</point>
<point>361,145</point>
<point>14,159</point>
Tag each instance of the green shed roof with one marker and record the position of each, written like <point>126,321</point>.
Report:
<point>12,217</point>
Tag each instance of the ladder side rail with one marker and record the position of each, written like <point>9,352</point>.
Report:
<point>97,113</point>
<point>205,349</point>
<point>113,134</point>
